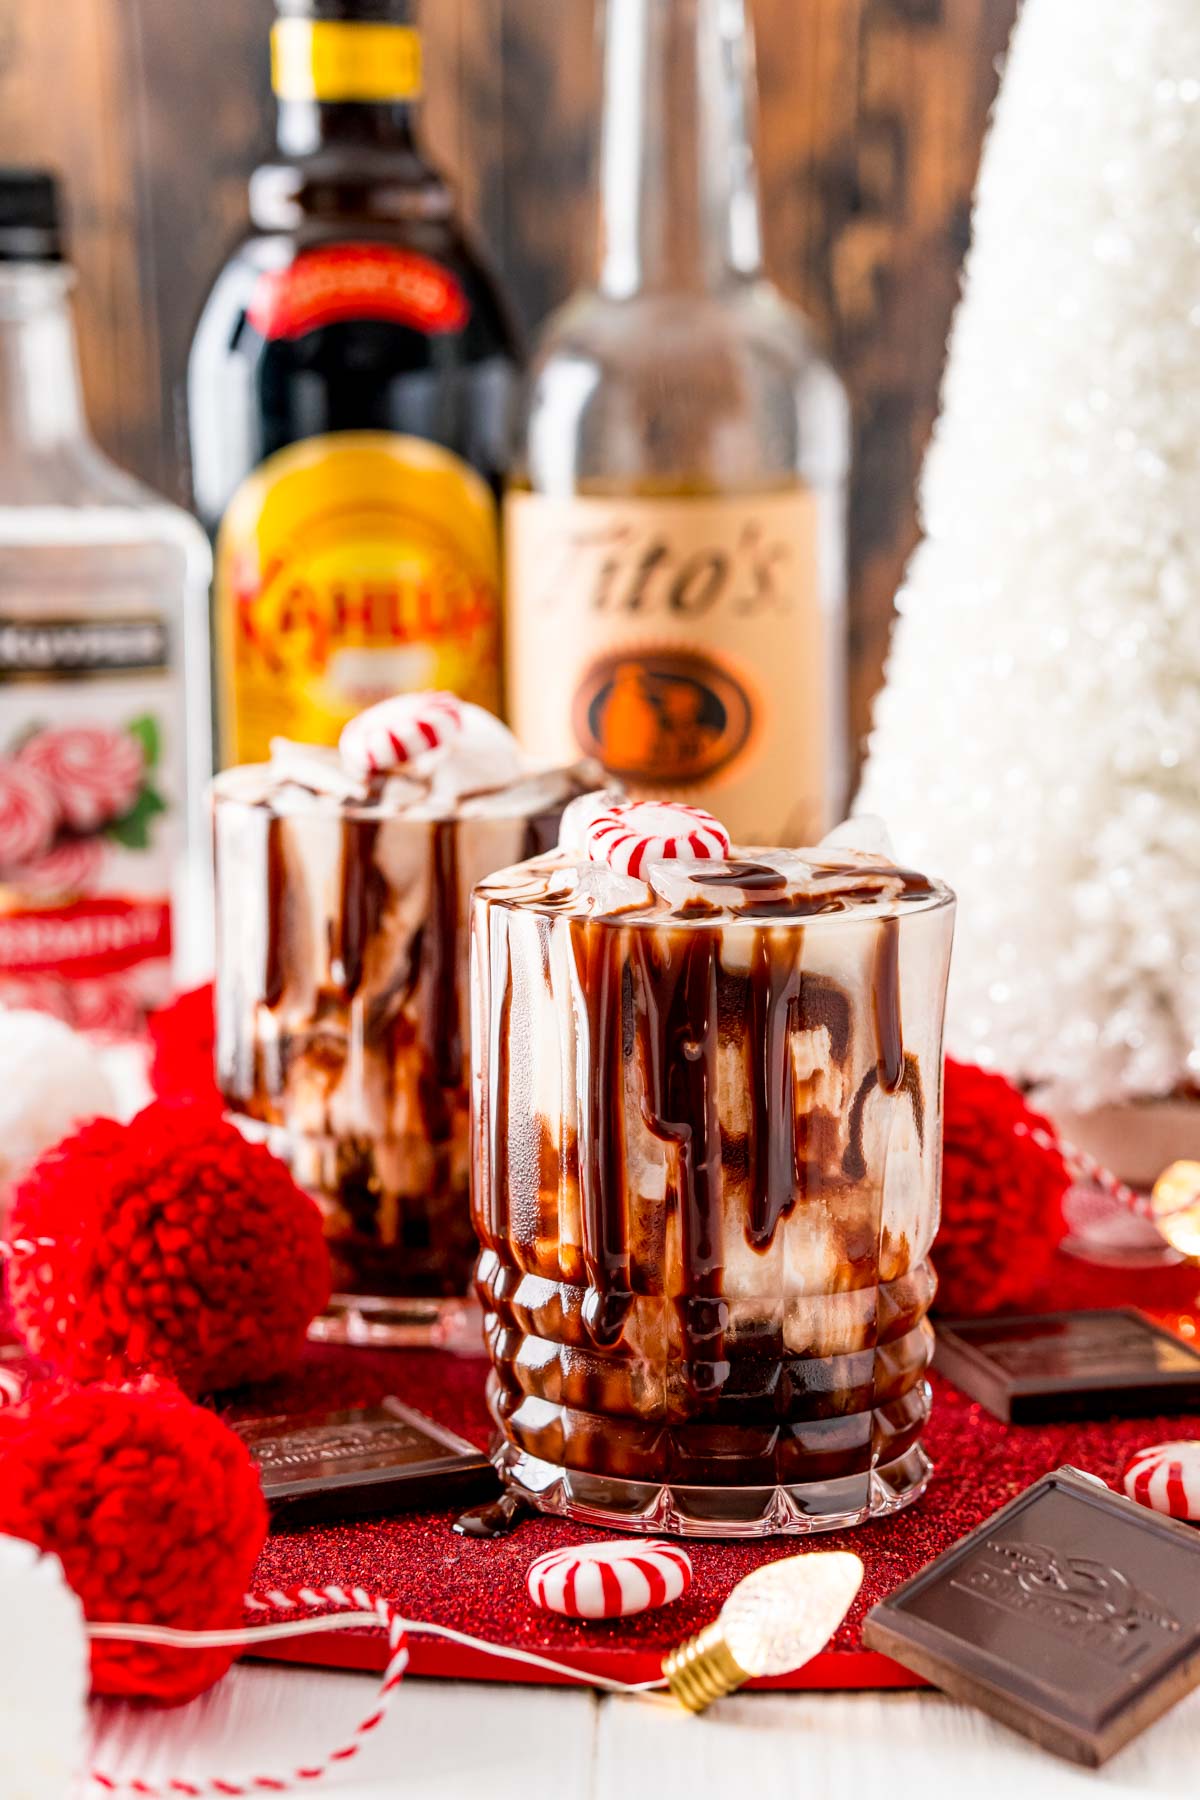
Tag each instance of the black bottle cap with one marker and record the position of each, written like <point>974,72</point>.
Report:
<point>350,12</point>
<point>30,216</point>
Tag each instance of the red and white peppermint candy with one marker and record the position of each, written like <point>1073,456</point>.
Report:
<point>29,815</point>
<point>95,773</point>
<point>1166,1478</point>
<point>69,867</point>
<point>635,833</point>
<point>610,1580</point>
<point>397,731</point>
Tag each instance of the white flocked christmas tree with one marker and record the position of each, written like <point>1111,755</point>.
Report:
<point>1038,739</point>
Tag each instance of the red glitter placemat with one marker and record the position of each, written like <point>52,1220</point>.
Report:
<point>417,1562</point>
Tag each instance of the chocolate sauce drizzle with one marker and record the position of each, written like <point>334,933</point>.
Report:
<point>360,905</point>
<point>661,997</point>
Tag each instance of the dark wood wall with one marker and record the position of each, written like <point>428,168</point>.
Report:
<point>872,116</point>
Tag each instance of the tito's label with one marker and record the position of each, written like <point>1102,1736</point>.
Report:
<point>351,567</point>
<point>681,643</point>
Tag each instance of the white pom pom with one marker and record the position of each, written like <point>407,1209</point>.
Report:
<point>44,1676</point>
<point>51,1079</point>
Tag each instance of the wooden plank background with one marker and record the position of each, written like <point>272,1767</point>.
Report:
<point>873,112</point>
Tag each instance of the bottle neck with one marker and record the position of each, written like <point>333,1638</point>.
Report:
<point>345,81</point>
<point>41,398</point>
<point>679,187</point>
<point>304,127</point>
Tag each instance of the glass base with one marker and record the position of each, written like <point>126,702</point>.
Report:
<point>715,1512</point>
<point>380,1323</point>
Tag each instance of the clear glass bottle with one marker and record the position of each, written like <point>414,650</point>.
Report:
<point>676,531</point>
<point>105,737</point>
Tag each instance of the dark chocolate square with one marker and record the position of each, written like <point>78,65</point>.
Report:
<point>1085,1365</point>
<point>1072,1615</point>
<point>369,1459</point>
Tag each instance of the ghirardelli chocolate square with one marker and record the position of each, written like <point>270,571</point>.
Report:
<point>1084,1365</point>
<point>370,1459</point>
<point>1072,1615</point>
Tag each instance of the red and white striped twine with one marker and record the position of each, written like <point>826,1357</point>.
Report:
<point>354,1608</point>
<point>1083,1167</point>
<point>353,1601</point>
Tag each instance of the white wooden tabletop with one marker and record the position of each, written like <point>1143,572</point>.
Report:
<point>459,1741</point>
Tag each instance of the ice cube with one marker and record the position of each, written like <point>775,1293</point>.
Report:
<point>320,771</point>
<point>867,832</point>
<point>599,889</point>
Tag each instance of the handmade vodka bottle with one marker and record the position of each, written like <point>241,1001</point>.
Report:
<point>105,741</point>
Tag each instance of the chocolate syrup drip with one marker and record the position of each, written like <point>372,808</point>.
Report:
<point>498,1076</point>
<point>889,1026</point>
<point>912,885</point>
<point>748,875</point>
<point>496,1518</point>
<point>274,971</point>
<point>441,947</point>
<point>599,959</point>
<point>773,1008</point>
<point>360,907</point>
<point>678,1027</point>
<point>854,1163</point>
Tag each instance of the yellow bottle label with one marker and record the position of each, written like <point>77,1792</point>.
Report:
<point>330,60</point>
<point>351,567</point>
<point>682,643</point>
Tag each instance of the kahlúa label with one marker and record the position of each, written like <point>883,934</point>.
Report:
<point>681,642</point>
<point>342,282</point>
<point>351,567</point>
<point>91,815</point>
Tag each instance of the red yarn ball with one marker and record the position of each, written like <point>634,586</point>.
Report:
<point>1002,1199</point>
<point>154,1508</point>
<point>183,1039</point>
<point>179,1249</point>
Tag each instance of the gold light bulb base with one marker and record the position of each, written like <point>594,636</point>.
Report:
<point>703,1670</point>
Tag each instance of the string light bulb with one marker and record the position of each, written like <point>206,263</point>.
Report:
<point>1175,1205</point>
<point>774,1621</point>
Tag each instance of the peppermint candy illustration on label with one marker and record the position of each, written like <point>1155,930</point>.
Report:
<point>68,867</point>
<point>629,836</point>
<point>398,731</point>
<point>95,773</point>
<point>610,1580</point>
<point>29,815</point>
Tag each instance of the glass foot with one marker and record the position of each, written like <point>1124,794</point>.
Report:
<point>716,1512</point>
<point>381,1323</point>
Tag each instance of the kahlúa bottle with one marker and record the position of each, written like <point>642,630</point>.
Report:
<point>675,529</point>
<point>350,399</point>
<point>104,702</point>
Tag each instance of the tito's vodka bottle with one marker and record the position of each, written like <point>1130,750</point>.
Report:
<point>675,533</point>
<point>105,743</point>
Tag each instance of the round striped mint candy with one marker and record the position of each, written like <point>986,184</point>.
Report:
<point>1166,1478</point>
<point>397,731</point>
<point>610,1580</point>
<point>635,833</point>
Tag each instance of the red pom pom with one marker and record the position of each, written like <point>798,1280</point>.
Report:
<point>155,1510</point>
<point>1002,1199</point>
<point>179,1249</point>
<point>183,1036</point>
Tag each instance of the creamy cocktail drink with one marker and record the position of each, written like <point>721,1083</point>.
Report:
<point>343,894</point>
<point>707,1095</point>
